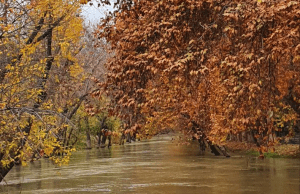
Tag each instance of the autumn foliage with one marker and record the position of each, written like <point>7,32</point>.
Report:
<point>207,68</point>
<point>39,76</point>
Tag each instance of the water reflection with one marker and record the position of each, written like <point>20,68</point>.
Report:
<point>156,166</point>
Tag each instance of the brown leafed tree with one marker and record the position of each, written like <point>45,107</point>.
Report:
<point>208,68</point>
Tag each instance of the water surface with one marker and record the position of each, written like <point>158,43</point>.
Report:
<point>156,166</point>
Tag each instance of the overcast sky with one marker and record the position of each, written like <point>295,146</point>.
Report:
<point>93,14</point>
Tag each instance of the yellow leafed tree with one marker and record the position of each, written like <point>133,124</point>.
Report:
<point>38,44</point>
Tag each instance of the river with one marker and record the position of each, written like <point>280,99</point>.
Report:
<point>156,166</point>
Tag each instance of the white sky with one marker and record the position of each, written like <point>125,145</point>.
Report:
<point>93,14</point>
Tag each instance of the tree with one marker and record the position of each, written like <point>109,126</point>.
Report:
<point>38,39</point>
<point>208,68</point>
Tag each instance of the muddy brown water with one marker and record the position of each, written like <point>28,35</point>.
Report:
<point>156,166</point>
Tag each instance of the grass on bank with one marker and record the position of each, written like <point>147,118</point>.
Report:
<point>278,151</point>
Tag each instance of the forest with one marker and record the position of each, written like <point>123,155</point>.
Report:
<point>221,73</point>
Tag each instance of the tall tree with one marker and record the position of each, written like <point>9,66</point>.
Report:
<point>208,67</point>
<point>38,41</point>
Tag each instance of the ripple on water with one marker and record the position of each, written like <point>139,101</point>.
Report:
<point>155,167</point>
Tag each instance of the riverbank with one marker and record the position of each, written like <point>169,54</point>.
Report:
<point>278,151</point>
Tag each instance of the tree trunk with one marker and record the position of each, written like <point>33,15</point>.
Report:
<point>244,136</point>
<point>128,139</point>
<point>103,140</point>
<point>202,145</point>
<point>100,133</point>
<point>134,137</point>
<point>122,138</point>
<point>5,170</point>
<point>88,140</point>
<point>99,138</point>
<point>223,150</point>
<point>261,155</point>
<point>41,84</point>
<point>88,136</point>
<point>214,148</point>
<point>109,141</point>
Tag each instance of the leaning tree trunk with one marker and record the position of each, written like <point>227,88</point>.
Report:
<point>14,154</point>
<point>5,170</point>
<point>215,149</point>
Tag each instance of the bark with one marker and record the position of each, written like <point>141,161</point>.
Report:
<point>133,138</point>
<point>36,30</point>
<point>5,170</point>
<point>100,134</point>
<point>223,150</point>
<point>49,30</point>
<point>103,140</point>
<point>88,140</point>
<point>244,136</point>
<point>128,138</point>
<point>68,139</point>
<point>215,149</point>
<point>122,138</point>
<point>42,96</point>
<point>14,154</point>
<point>202,145</point>
<point>88,136</point>
<point>109,141</point>
<point>30,40</point>
<point>71,133</point>
<point>261,155</point>
<point>293,103</point>
<point>99,139</point>
<point>70,115</point>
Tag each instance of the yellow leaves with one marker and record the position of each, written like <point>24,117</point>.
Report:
<point>48,151</point>
<point>65,46</point>
<point>60,110</point>
<point>23,163</point>
<point>5,163</point>
<point>76,70</point>
<point>9,67</point>
<point>26,61</point>
<point>2,105</point>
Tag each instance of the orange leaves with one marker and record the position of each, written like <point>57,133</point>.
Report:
<point>225,69</point>
<point>84,1</point>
